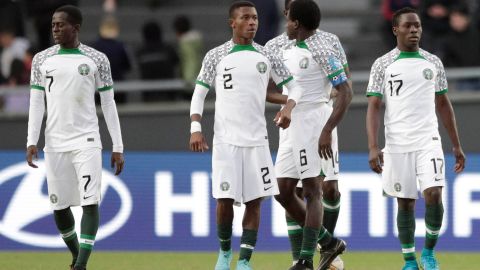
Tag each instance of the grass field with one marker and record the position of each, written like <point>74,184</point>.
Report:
<point>205,261</point>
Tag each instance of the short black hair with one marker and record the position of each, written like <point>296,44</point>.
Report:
<point>74,14</point>
<point>152,32</point>
<point>287,4</point>
<point>306,12</point>
<point>238,4</point>
<point>182,24</point>
<point>400,12</point>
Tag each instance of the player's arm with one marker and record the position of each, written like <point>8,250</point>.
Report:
<point>109,109</point>
<point>375,157</point>
<point>197,140</point>
<point>274,94</point>
<point>35,118</point>
<point>343,99</point>
<point>446,114</point>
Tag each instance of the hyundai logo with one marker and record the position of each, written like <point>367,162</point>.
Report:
<point>29,204</point>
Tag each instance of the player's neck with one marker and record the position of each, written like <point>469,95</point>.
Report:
<point>71,45</point>
<point>242,41</point>
<point>304,34</point>
<point>408,49</point>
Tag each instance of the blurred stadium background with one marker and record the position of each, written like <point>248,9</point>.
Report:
<point>162,201</point>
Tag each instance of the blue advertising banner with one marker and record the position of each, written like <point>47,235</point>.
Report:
<point>162,201</point>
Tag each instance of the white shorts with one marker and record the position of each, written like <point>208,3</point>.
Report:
<point>242,173</point>
<point>298,156</point>
<point>74,177</point>
<point>401,171</point>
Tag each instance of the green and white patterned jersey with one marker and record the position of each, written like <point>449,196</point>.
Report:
<point>408,82</point>
<point>317,64</point>
<point>69,79</point>
<point>240,75</point>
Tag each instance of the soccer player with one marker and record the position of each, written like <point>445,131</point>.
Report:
<point>242,167</point>
<point>317,66</point>
<point>413,84</point>
<point>68,75</point>
<point>331,194</point>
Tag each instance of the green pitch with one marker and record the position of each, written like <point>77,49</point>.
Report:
<point>204,261</point>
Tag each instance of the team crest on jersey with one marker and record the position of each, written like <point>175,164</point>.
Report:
<point>261,67</point>
<point>304,63</point>
<point>397,187</point>
<point>428,74</point>
<point>53,198</point>
<point>224,186</point>
<point>83,69</point>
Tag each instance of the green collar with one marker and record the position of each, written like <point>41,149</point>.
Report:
<point>69,51</point>
<point>302,44</point>
<point>239,48</point>
<point>403,55</point>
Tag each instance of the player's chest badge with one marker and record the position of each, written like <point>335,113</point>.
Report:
<point>261,67</point>
<point>83,69</point>
<point>304,63</point>
<point>428,74</point>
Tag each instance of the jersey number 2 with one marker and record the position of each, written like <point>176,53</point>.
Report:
<point>227,79</point>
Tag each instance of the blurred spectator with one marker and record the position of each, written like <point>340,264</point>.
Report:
<point>41,13</point>
<point>190,49</point>
<point>435,22</point>
<point>388,8</point>
<point>14,48</point>
<point>462,48</point>
<point>11,17</point>
<point>156,59</point>
<point>268,20</point>
<point>115,50</point>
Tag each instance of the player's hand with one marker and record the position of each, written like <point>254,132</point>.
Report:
<point>117,161</point>
<point>284,116</point>
<point>375,160</point>
<point>32,154</point>
<point>459,159</point>
<point>198,142</point>
<point>325,144</point>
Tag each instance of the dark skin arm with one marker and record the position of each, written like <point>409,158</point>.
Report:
<point>274,94</point>
<point>343,98</point>
<point>197,140</point>
<point>375,156</point>
<point>446,114</point>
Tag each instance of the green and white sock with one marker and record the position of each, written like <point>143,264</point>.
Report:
<point>309,243</point>
<point>324,238</point>
<point>224,233</point>
<point>247,244</point>
<point>295,235</point>
<point>331,210</point>
<point>433,222</point>
<point>88,231</point>
<point>66,225</point>
<point>406,233</point>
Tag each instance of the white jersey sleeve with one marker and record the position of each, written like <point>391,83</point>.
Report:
<point>376,81</point>
<point>331,65</point>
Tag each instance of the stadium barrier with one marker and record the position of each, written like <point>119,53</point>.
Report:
<point>162,201</point>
